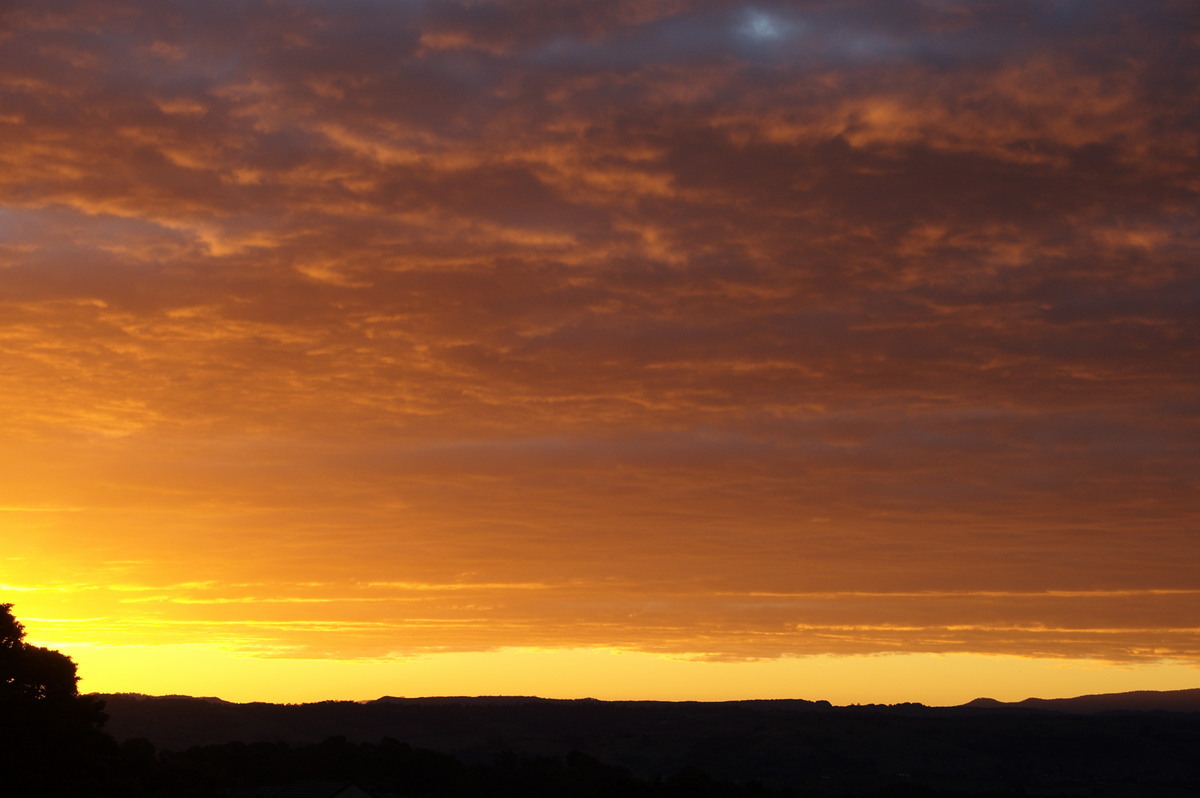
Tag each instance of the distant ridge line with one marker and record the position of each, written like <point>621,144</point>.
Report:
<point>481,726</point>
<point>1133,701</point>
<point>1186,700</point>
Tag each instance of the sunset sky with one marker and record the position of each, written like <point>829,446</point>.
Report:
<point>638,349</point>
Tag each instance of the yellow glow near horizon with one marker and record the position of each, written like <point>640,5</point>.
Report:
<point>280,661</point>
<point>932,679</point>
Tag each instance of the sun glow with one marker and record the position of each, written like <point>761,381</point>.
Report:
<point>606,674</point>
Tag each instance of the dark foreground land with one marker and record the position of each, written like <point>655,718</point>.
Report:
<point>1138,744</point>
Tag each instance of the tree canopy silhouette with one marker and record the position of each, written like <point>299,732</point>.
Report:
<point>29,675</point>
<point>48,732</point>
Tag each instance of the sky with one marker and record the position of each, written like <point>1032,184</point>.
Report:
<point>681,349</point>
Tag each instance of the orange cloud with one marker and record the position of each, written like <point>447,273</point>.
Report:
<point>680,327</point>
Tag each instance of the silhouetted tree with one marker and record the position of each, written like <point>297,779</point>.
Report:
<point>49,735</point>
<point>39,679</point>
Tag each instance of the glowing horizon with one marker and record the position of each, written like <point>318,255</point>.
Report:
<point>471,344</point>
<point>614,675</point>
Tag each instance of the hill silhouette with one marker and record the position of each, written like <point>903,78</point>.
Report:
<point>1136,701</point>
<point>1132,744</point>
<point>1136,744</point>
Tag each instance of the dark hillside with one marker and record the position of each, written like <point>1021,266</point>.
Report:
<point>1140,701</point>
<point>807,746</point>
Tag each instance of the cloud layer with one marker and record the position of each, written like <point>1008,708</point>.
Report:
<point>735,330</point>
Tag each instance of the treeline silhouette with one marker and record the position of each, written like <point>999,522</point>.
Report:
<point>803,746</point>
<point>53,743</point>
<point>392,768</point>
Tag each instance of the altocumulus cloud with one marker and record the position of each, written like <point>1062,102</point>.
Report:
<point>660,305</point>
